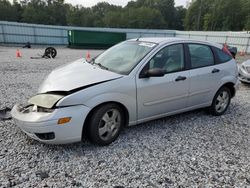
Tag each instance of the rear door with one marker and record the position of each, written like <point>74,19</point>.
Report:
<point>205,74</point>
<point>157,96</point>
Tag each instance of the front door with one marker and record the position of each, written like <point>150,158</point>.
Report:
<point>158,96</point>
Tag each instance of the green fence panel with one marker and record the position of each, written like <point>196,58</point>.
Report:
<point>94,39</point>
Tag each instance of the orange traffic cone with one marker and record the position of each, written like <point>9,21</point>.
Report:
<point>18,53</point>
<point>88,56</point>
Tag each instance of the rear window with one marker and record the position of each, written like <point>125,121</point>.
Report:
<point>201,55</point>
<point>222,57</point>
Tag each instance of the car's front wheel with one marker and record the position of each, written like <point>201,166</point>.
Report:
<point>105,124</point>
<point>221,101</point>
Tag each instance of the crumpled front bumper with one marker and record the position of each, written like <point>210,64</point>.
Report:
<point>244,76</point>
<point>43,126</point>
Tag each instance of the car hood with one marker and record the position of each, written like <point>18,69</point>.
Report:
<point>78,74</point>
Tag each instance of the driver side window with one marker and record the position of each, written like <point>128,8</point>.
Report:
<point>170,59</point>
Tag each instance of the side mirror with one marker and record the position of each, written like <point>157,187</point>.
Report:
<point>155,72</point>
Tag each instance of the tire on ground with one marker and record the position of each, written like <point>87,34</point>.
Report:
<point>212,108</point>
<point>96,122</point>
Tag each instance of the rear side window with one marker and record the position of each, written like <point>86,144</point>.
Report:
<point>201,55</point>
<point>222,56</point>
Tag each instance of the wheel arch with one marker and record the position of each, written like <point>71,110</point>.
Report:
<point>231,87</point>
<point>122,106</point>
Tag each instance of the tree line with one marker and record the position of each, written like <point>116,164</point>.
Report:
<point>218,15</point>
<point>215,15</point>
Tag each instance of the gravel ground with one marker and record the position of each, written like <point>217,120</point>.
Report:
<point>188,150</point>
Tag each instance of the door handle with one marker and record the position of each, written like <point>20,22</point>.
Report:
<point>180,78</point>
<point>215,70</point>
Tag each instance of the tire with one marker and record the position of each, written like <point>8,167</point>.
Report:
<point>105,124</point>
<point>221,102</point>
<point>50,52</point>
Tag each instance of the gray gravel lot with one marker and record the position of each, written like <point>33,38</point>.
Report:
<point>193,149</point>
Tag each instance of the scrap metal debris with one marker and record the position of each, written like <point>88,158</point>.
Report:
<point>49,53</point>
<point>5,114</point>
<point>27,45</point>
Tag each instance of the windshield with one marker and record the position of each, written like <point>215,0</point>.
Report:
<point>122,58</point>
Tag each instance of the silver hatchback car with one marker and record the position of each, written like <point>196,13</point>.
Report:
<point>133,82</point>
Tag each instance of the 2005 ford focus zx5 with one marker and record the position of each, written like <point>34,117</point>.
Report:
<point>133,82</point>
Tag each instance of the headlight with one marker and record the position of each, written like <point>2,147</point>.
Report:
<point>45,100</point>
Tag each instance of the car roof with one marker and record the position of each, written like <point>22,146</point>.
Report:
<point>165,40</point>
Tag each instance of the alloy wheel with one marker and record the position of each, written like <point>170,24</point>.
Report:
<point>109,124</point>
<point>222,101</point>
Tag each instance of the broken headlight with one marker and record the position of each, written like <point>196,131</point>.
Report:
<point>46,101</point>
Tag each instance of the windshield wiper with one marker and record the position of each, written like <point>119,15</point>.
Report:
<point>92,61</point>
<point>103,67</point>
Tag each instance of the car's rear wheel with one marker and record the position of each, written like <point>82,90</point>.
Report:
<point>221,101</point>
<point>105,124</point>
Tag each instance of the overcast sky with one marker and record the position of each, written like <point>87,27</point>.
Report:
<point>89,3</point>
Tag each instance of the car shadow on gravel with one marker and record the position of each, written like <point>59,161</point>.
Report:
<point>245,86</point>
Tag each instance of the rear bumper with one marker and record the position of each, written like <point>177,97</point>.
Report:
<point>43,126</point>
